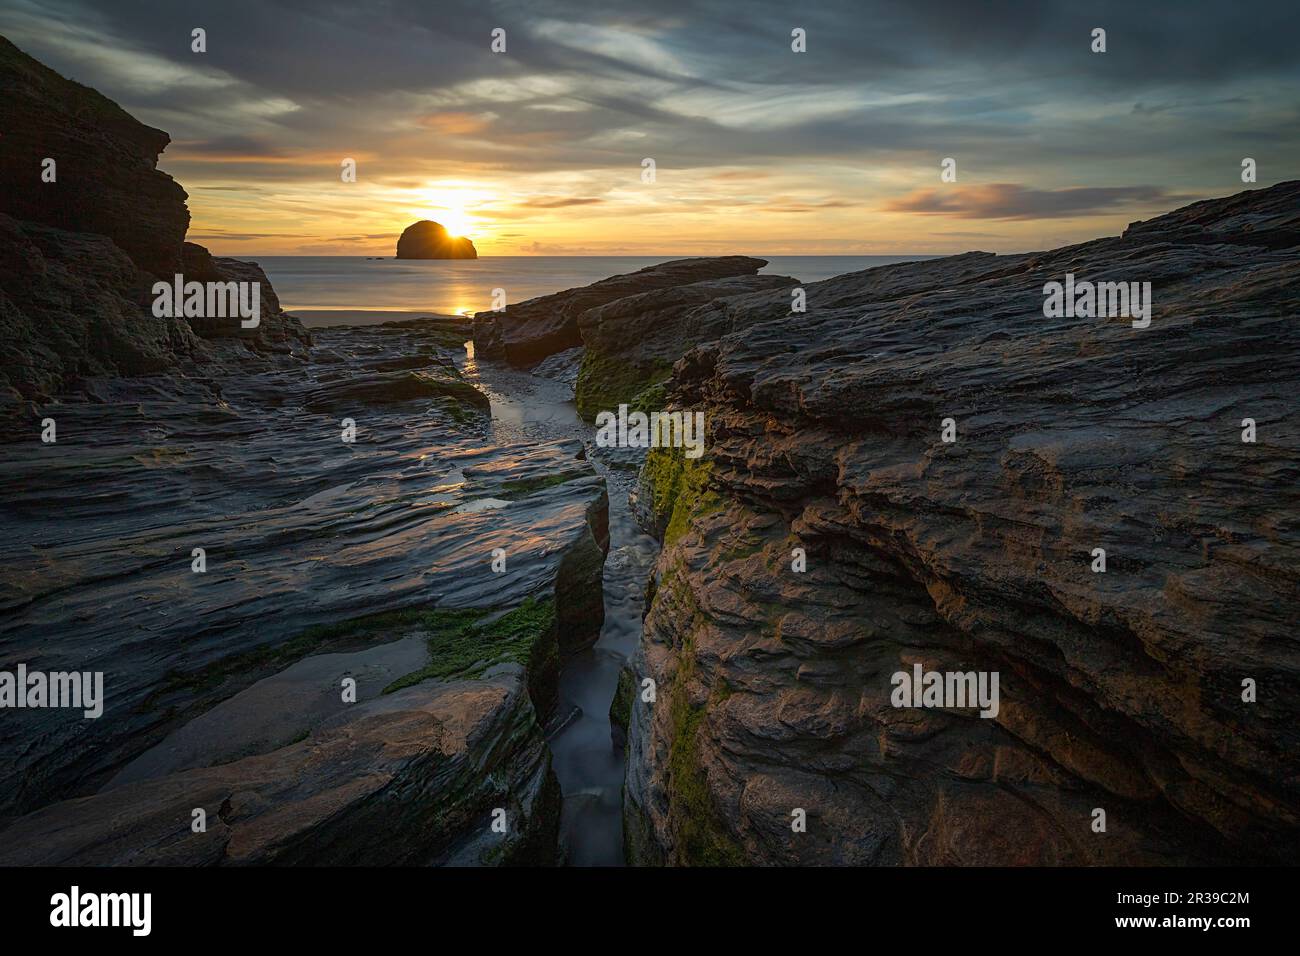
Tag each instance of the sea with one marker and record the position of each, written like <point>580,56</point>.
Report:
<point>357,290</point>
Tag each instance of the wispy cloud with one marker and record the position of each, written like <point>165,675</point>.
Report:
<point>540,148</point>
<point>1011,201</point>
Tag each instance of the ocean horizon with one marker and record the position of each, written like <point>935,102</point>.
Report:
<point>360,290</point>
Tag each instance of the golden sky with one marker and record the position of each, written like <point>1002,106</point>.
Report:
<point>758,149</point>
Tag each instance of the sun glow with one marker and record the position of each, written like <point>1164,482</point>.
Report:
<point>457,221</point>
<point>451,204</point>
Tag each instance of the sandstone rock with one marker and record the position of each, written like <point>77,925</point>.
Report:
<point>430,240</point>
<point>561,367</point>
<point>527,332</point>
<point>277,330</point>
<point>385,387</point>
<point>1119,690</point>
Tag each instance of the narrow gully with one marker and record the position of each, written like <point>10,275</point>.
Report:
<point>589,766</point>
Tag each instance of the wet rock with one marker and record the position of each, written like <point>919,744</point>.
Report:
<point>323,558</point>
<point>337,797</point>
<point>1120,690</point>
<point>620,708</point>
<point>527,332</point>
<point>211,537</point>
<point>430,240</point>
<point>561,367</point>
<point>376,388</point>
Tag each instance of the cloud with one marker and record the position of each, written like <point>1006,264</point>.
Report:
<point>750,138</point>
<point>458,124</point>
<point>1011,201</point>
<point>560,203</point>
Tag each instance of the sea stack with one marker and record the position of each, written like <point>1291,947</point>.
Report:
<point>430,240</point>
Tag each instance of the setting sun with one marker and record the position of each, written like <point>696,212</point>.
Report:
<point>450,203</point>
<point>457,221</point>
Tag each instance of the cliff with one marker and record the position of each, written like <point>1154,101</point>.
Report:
<point>1162,690</point>
<point>79,254</point>
<point>107,178</point>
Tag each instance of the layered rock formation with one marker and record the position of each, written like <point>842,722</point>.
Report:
<point>338,797</point>
<point>79,255</point>
<point>430,240</point>
<point>1120,690</point>
<point>527,332</point>
<point>630,344</point>
<point>106,165</point>
<point>324,559</point>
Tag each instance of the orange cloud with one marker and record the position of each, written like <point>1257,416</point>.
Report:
<point>456,124</point>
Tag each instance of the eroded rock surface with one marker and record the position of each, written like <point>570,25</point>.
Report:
<point>527,332</point>
<point>1120,690</point>
<point>410,778</point>
<point>324,559</point>
<point>630,344</point>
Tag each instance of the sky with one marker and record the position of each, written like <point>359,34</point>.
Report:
<point>757,148</point>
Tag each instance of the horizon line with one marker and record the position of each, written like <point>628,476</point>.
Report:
<point>622,255</point>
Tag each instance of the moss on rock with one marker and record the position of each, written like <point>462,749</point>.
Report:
<point>605,383</point>
<point>620,708</point>
<point>678,490</point>
<point>461,647</point>
<point>700,839</point>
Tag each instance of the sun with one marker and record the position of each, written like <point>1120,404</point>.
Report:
<point>449,202</point>
<point>457,221</point>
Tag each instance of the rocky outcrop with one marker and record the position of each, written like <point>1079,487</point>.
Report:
<point>276,332</point>
<point>337,797</point>
<point>630,344</point>
<point>430,240</point>
<point>106,177</point>
<point>1162,690</point>
<point>79,255</point>
<point>327,555</point>
<point>527,332</point>
<point>74,306</point>
<point>327,606</point>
